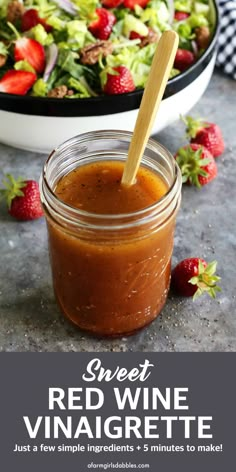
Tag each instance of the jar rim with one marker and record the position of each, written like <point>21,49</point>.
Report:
<point>115,134</point>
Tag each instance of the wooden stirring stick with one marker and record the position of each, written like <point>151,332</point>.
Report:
<point>160,70</point>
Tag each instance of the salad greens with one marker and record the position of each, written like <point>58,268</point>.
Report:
<point>64,32</point>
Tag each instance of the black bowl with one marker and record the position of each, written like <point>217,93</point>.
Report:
<point>106,104</point>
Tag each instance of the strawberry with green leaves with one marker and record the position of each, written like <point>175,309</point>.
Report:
<point>205,133</point>
<point>22,197</point>
<point>194,276</point>
<point>197,165</point>
<point>30,50</point>
<point>119,80</point>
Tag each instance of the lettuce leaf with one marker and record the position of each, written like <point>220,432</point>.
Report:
<point>77,31</point>
<point>157,16</point>
<point>196,20</point>
<point>67,61</point>
<point>117,30</point>
<point>24,65</point>
<point>56,23</point>
<point>183,5</point>
<point>185,31</point>
<point>141,64</point>
<point>123,57</point>
<point>3,49</point>
<point>130,23</point>
<point>174,72</point>
<point>40,88</point>
<point>44,7</point>
<point>79,87</point>
<point>86,8</point>
<point>39,34</point>
<point>53,77</point>
<point>201,8</point>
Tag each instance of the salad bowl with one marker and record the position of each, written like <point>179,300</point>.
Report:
<point>41,123</point>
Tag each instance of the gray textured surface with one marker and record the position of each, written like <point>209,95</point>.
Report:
<point>206,227</point>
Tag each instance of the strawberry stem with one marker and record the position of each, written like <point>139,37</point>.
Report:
<point>206,280</point>
<point>12,188</point>
<point>193,126</point>
<point>13,28</point>
<point>191,165</point>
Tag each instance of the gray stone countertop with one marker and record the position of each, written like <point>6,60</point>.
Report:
<point>206,227</point>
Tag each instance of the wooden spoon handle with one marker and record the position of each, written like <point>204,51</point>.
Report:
<point>160,70</point>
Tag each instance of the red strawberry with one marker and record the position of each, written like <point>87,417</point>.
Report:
<point>183,59</point>
<point>102,27</point>
<point>207,134</point>
<point>31,18</point>
<point>22,197</point>
<point>181,15</point>
<point>134,35</point>
<point>132,3</point>
<point>197,165</point>
<point>111,3</point>
<point>32,51</point>
<point>17,82</point>
<point>194,276</point>
<point>47,27</point>
<point>119,82</point>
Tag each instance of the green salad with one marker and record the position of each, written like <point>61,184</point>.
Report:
<point>86,48</point>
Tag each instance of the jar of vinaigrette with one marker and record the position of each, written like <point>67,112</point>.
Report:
<point>110,245</point>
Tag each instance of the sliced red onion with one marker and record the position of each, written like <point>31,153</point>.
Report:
<point>171,8</point>
<point>67,6</point>
<point>195,47</point>
<point>52,53</point>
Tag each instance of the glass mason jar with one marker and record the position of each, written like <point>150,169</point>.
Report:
<point>111,273</point>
